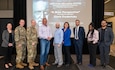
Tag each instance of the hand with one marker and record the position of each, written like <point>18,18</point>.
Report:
<point>19,45</point>
<point>63,42</point>
<point>49,38</point>
<point>10,44</point>
<point>33,43</point>
<point>53,44</point>
<point>59,45</point>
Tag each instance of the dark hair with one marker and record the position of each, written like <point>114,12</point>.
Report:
<point>67,23</point>
<point>8,23</point>
<point>104,20</point>
<point>92,24</point>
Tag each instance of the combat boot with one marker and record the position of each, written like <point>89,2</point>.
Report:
<point>18,65</point>
<point>35,64</point>
<point>31,66</point>
<point>24,64</point>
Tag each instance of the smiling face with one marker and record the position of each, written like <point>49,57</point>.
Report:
<point>57,25</point>
<point>33,22</point>
<point>91,27</point>
<point>77,22</point>
<point>22,22</point>
<point>9,26</point>
<point>103,23</point>
<point>44,21</point>
<point>66,25</point>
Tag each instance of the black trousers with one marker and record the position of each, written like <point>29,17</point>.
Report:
<point>67,55</point>
<point>8,54</point>
<point>92,53</point>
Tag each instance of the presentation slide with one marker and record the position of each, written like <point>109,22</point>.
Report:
<point>60,11</point>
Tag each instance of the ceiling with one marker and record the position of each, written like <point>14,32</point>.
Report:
<point>109,7</point>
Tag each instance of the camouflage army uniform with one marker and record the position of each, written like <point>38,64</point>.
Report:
<point>20,38</point>
<point>31,38</point>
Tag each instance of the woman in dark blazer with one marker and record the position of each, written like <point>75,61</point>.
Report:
<point>7,43</point>
<point>67,43</point>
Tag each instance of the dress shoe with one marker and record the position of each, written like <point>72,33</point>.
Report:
<point>47,64</point>
<point>41,67</point>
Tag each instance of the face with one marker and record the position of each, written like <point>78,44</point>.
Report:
<point>77,23</point>
<point>9,26</point>
<point>90,27</point>
<point>22,22</point>
<point>57,25</point>
<point>66,25</point>
<point>103,24</point>
<point>33,22</point>
<point>44,21</point>
<point>40,10</point>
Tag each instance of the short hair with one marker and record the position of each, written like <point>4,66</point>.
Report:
<point>77,20</point>
<point>104,20</point>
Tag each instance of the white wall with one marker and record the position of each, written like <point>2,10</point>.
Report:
<point>6,13</point>
<point>112,19</point>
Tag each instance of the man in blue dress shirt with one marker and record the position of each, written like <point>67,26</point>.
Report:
<point>58,39</point>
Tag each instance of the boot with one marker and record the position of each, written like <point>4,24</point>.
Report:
<point>35,64</point>
<point>18,65</point>
<point>24,64</point>
<point>31,66</point>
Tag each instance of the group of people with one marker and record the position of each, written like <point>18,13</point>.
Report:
<point>23,39</point>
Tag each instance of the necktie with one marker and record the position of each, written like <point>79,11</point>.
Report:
<point>76,33</point>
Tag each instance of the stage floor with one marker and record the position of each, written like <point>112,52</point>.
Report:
<point>73,66</point>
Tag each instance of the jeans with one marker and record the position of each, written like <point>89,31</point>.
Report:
<point>44,50</point>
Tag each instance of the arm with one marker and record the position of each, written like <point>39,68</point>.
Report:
<point>68,35</point>
<point>61,37</point>
<point>83,33</point>
<point>50,33</point>
<point>4,37</point>
<point>13,36</point>
<point>29,35</point>
<point>111,36</point>
<point>95,37</point>
<point>16,37</point>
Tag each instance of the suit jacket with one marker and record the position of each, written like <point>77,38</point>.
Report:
<point>81,33</point>
<point>108,36</point>
<point>5,38</point>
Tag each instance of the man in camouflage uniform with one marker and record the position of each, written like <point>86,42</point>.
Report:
<point>20,39</point>
<point>32,44</point>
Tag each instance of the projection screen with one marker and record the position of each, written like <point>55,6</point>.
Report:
<point>60,11</point>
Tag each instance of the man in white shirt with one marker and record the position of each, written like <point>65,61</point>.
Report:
<point>45,36</point>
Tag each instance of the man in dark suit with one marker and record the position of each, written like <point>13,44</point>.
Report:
<point>79,36</point>
<point>105,40</point>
